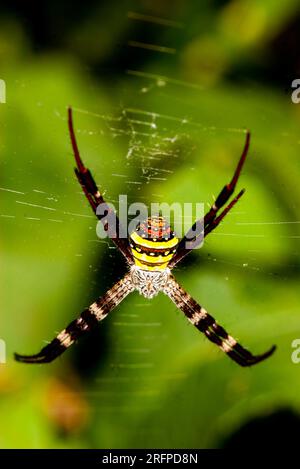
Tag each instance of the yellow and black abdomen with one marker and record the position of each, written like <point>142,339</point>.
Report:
<point>153,244</point>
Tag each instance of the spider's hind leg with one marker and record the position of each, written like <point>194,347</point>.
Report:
<point>63,340</point>
<point>88,319</point>
<point>206,324</point>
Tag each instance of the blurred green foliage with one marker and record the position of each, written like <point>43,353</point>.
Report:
<point>147,378</point>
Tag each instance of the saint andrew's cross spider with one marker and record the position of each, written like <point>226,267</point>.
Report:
<point>151,252</point>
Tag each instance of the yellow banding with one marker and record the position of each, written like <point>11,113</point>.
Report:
<point>147,243</point>
<point>152,259</point>
<point>153,267</point>
<point>147,262</point>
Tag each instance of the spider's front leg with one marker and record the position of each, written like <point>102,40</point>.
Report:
<point>88,319</point>
<point>210,221</point>
<point>109,219</point>
<point>205,323</point>
<point>228,190</point>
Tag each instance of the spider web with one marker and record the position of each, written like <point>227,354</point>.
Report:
<point>159,144</point>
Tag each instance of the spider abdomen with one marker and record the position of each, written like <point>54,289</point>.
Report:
<point>149,283</point>
<point>153,244</point>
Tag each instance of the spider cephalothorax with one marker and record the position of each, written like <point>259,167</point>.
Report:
<point>149,283</point>
<point>151,251</point>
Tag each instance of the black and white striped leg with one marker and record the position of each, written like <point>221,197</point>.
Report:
<point>210,216</point>
<point>205,323</point>
<point>109,219</point>
<point>88,319</point>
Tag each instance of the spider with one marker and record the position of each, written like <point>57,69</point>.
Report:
<point>151,252</point>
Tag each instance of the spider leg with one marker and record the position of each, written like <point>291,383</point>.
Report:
<point>88,319</point>
<point>109,219</point>
<point>210,216</point>
<point>216,221</point>
<point>205,323</point>
<point>228,190</point>
<point>181,253</point>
